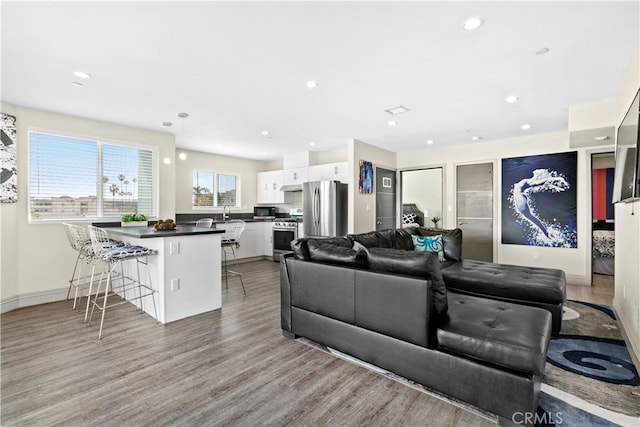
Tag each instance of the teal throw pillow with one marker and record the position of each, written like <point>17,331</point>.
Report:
<point>429,243</point>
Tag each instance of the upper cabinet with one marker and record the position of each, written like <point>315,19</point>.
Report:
<point>329,171</point>
<point>270,183</point>
<point>268,187</point>
<point>296,175</point>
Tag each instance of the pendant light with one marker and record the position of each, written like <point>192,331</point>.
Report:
<point>167,125</point>
<point>182,155</point>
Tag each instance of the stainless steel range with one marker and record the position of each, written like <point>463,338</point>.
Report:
<point>285,230</point>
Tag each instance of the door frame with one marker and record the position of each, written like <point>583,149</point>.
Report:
<point>589,241</point>
<point>445,211</point>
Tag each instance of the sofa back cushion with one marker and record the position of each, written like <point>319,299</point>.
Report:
<point>300,247</point>
<point>404,239</point>
<point>375,239</point>
<point>419,264</point>
<point>335,254</point>
<point>451,240</point>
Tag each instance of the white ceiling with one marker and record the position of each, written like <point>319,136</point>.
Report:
<point>239,68</point>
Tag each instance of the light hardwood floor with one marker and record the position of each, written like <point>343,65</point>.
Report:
<point>229,367</point>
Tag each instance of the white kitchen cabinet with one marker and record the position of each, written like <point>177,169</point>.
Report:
<point>267,239</point>
<point>329,171</point>
<point>268,187</point>
<point>296,176</point>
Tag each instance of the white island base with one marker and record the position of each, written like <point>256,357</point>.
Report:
<point>185,273</point>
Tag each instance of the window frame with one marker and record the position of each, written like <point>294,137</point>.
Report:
<point>215,173</point>
<point>155,174</point>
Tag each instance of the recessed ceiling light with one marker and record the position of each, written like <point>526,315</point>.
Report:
<point>472,23</point>
<point>398,109</point>
<point>76,84</point>
<point>167,161</point>
<point>167,124</point>
<point>311,84</point>
<point>542,51</point>
<point>82,74</point>
<point>526,126</point>
<point>476,138</point>
<point>601,138</point>
<point>392,123</point>
<point>182,155</point>
<point>265,132</point>
<point>312,144</point>
<point>429,141</point>
<point>511,99</point>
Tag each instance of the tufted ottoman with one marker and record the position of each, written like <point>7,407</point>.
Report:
<point>537,287</point>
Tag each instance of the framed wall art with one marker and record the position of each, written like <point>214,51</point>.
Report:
<point>8,160</point>
<point>539,200</point>
<point>365,181</point>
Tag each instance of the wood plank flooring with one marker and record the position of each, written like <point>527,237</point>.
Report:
<point>229,367</point>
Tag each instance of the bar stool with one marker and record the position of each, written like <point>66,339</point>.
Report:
<point>113,253</point>
<point>80,241</point>
<point>230,240</point>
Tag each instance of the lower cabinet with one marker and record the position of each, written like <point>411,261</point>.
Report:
<point>255,240</point>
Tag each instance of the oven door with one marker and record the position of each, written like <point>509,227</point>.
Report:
<point>282,238</point>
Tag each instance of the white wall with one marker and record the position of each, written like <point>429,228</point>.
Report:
<point>573,261</point>
<point>362,215</point>
<point>36,258</point>
<point>246,169</point>
<point>627,260</point>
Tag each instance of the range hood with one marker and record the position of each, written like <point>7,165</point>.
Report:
<point>291,187</point>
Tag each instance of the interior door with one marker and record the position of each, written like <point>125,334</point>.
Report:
<point>385,199</point>
<point>474,209</point>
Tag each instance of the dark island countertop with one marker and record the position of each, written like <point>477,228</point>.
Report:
<point>150,232</point>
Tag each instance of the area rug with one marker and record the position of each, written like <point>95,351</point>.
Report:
<point>595,385</point>
<point>590,361</point>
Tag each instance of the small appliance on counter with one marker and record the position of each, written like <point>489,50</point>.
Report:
<point>264,212</point>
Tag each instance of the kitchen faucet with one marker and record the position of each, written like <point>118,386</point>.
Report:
<point>225,215</point>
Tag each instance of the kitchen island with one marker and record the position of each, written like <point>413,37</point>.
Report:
<point>186,271</point>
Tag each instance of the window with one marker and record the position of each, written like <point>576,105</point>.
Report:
<point>71,178</point>
<point>212,189</point>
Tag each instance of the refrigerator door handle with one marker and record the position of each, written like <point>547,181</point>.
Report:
<point>316,206</point>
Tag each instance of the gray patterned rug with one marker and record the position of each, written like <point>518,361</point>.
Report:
<point>590,360</point>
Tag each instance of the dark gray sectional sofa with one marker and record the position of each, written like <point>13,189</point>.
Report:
<point>389,306</point>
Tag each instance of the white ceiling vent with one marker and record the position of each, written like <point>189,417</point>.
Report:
<point>394,111</point>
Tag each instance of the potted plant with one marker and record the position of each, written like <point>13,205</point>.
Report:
<point>435,220</point>
<point>133,220</point>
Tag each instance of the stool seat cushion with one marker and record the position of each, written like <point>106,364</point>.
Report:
<point>124,251</point>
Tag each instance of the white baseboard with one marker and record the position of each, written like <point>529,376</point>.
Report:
<point>32,298</point>
<point>578,280</point>
<point>631,337</point>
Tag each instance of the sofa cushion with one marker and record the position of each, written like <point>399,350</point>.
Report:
<point>418,264</point>
<point>513,282</point>
<point>329,253</point>
<point>376,239</point>
<point>404,239</point>
<point>451,240</point>
<point>300,246</point>
<point>501,333</point>
<point>429,243</point>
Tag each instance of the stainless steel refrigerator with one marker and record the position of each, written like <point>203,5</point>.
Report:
<point>325,208</point>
